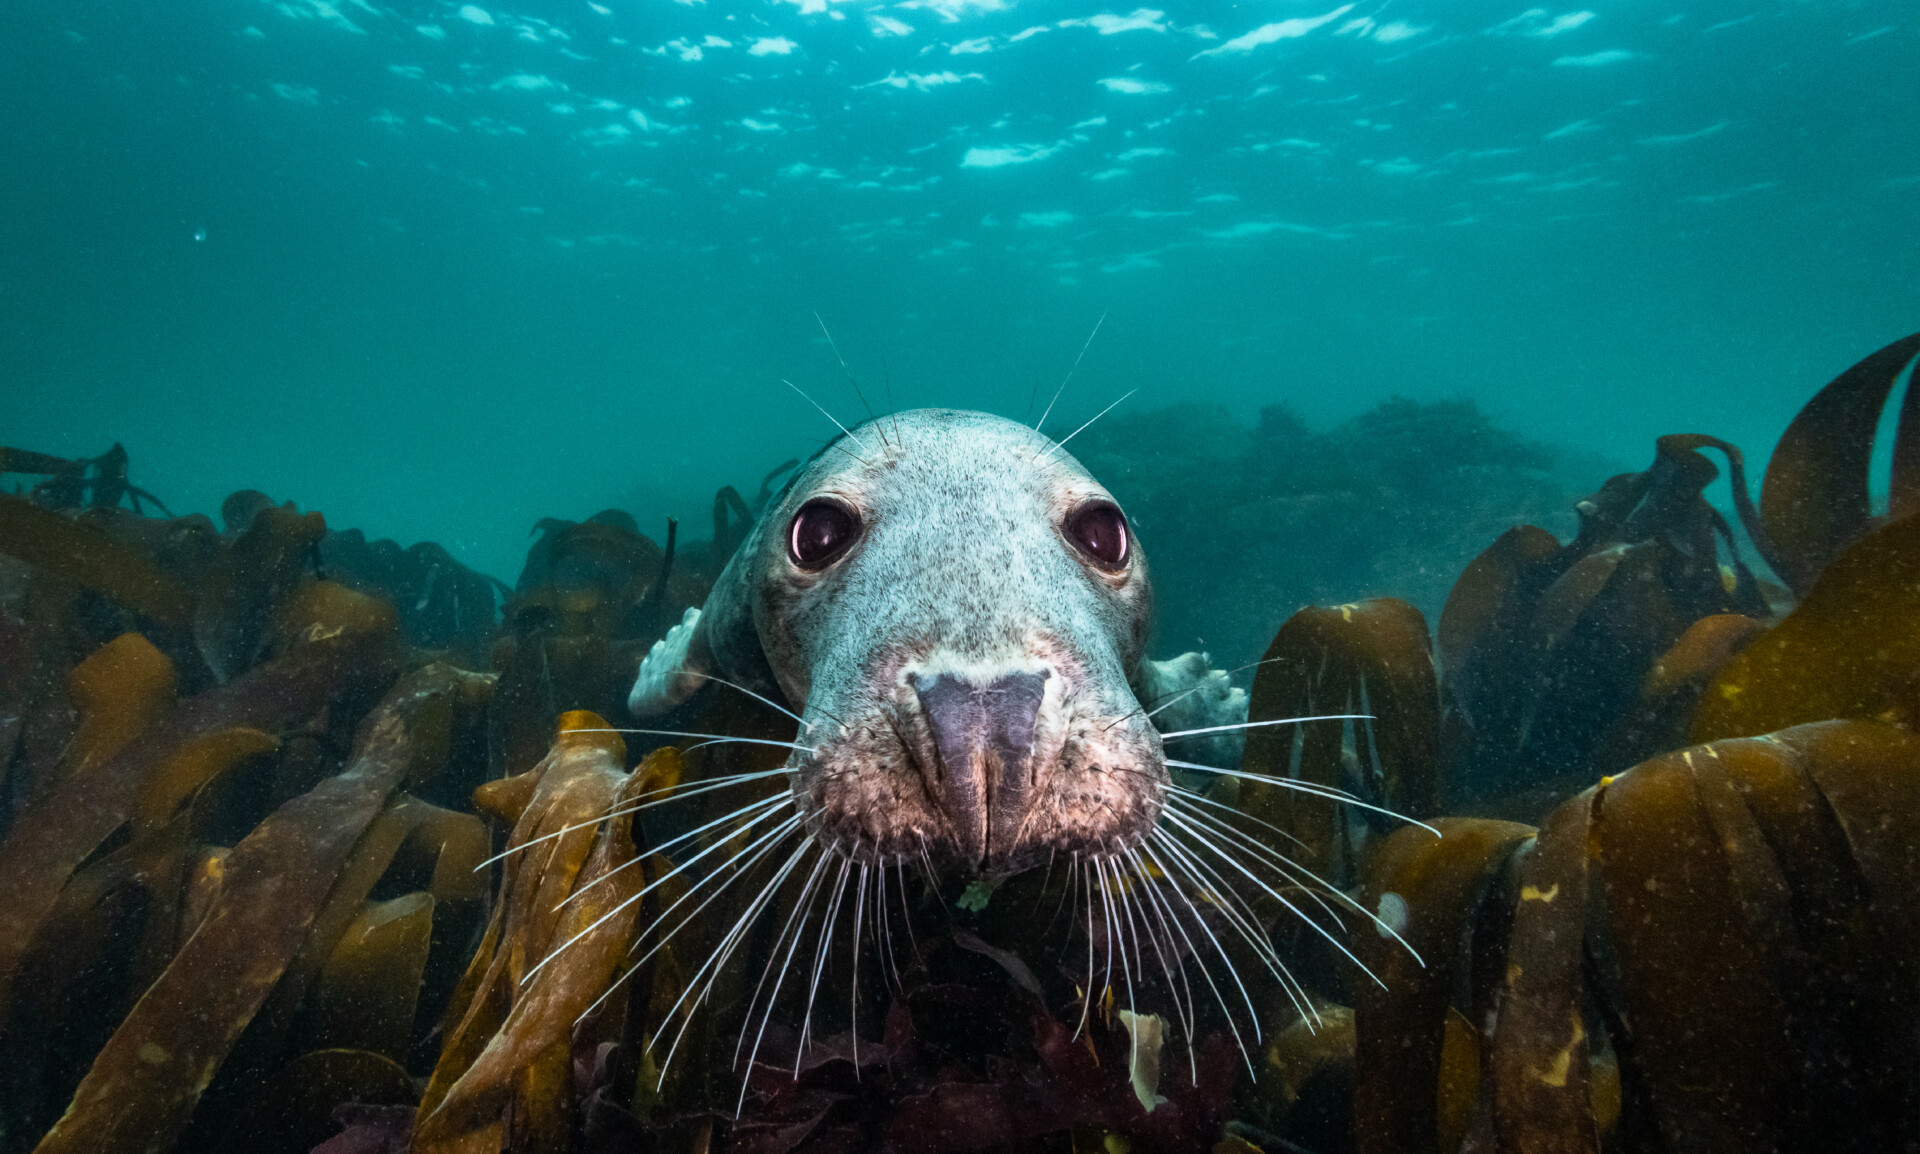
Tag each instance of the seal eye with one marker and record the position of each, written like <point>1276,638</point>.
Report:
<point>821,531</point>
<point>1099,530</point>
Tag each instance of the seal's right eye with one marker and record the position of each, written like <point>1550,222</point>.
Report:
<point>821,532</point>
<point>1099,530</point>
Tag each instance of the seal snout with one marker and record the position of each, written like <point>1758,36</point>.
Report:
<point>983,732</point>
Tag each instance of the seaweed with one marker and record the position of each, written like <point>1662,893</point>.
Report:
<point>1814,500</point>
<point>145,1082</point>
<point>65,546</point>
<point>88,482</point>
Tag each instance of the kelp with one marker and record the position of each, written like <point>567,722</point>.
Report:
<point>555,943</point>
<point>146,1081</point>
<point>1814,500</point>
<point>1544,646</point>
<point>1539,1057</point>
<point>1850,649</point>
<point>52,836</point>
<point>255,573</point>
<point>1726,932</point>
<point>1402,1014</point>
<point>1366,658</point>
<point>86,482</point>
<point>74,550</point>
<point>592,597</point>
<point>443,605</point>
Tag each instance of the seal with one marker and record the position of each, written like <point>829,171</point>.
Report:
<point>958,614</point>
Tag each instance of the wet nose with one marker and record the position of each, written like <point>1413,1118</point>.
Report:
<point>983,738</point>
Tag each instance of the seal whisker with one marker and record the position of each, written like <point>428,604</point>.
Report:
<point>1155,901</point>
<point>772,836</point>
<point>1289,870</point>
<point>703,787</point>
<point>859,917</point>
<point>882,923</point>
<point>750,693</point>
<point>836,424</point>
<point>796,925</point>
<point>803,911</point>
<point>1143,899</point>
<point>906,914</point>
<point>712,737</point>
<point>1176,698</point>
<point>723,951</point>
<point>1118,903</point>
<point>1191,796</point>
<point>1086,999</point>
<point>1106,918</point>
<point>1299,786</point>
<point>1201,840</point>
<point>1258,724</point>
<point>1186,693</point>
<point>873,420</point>
<point>1062,442</point>
<point>1238,915</point>
<point>1300,876</point>
<point>1205,970</point>
<point>1067,893</point>
<point>1063,381</point>
<point>729,872</point>
<point>823,949</point>
<point>770,805</point>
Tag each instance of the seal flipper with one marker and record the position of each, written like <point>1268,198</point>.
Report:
<point>716,641</point>
<point>1189,695</point>
<point>675,668</point>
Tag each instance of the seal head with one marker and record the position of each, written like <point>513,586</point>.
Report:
<point>958,612</point>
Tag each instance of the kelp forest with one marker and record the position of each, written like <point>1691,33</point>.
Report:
<point>316,843</point>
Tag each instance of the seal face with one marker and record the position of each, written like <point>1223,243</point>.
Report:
<point>956,610</point>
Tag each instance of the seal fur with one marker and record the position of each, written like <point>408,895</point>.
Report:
<point>969,679</point>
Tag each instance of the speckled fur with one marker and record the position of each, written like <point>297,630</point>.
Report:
<point>961,568</point>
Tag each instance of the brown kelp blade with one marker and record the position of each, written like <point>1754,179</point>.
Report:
<point>84,554</point>
<point>120,689</point>
<point>367,991</point>
<point>53,836</point>
<point>1435,888</point>
<point>573,786</point>
<point>249,580</point>
<point>1539,1059</point>
<point>1369,657</point>
<point>145,1083</point>
<point>1850,649</point>
<point>1814,500</point>
<point>1698,975</point>
<point>507,1071</point>
<point>1482,634</point>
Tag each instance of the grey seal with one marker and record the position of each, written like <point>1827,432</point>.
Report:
<point>959,614</point>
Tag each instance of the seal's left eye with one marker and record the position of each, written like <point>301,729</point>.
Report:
<point>1099,530</point>
<point>821,531</point>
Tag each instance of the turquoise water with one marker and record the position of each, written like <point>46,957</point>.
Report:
<point>442,270</point>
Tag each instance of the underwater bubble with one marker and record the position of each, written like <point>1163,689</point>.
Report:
<point>1392,915</point>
